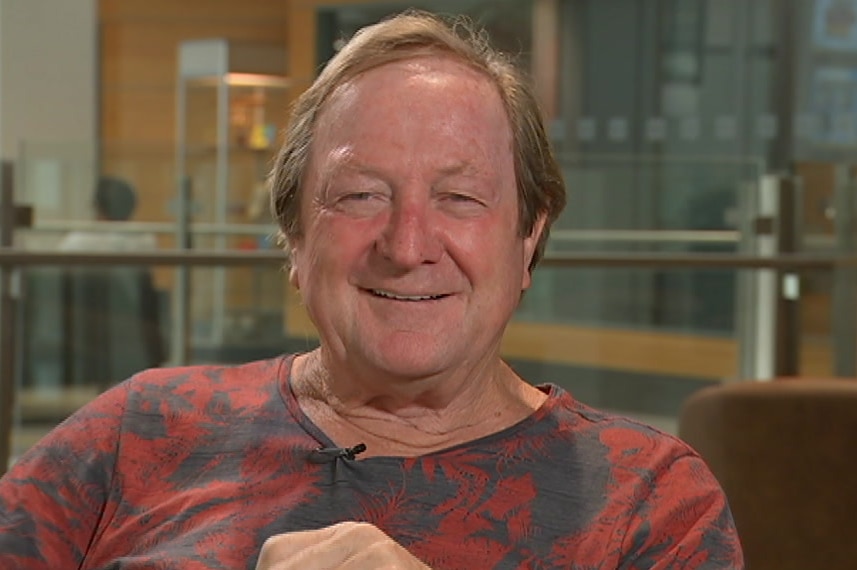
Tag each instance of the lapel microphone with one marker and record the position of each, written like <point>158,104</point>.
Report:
<point>331,454</point>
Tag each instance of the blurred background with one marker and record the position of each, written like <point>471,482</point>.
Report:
<point>705,143</point>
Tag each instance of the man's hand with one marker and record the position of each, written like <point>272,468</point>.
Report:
<point>345,546</point>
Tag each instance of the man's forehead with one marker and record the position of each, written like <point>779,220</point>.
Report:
<point>432,69</point>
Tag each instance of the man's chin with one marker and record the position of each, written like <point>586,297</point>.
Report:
<point>409,365</point>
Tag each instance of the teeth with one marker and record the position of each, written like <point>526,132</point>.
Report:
<point>389,295</point>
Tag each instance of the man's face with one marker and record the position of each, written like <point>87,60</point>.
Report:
<point>411,262</point>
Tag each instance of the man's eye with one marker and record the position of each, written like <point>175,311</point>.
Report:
<point>461,204</point>
<point>361,203</point>
<point>357,196</point>
<point>457,197</point>
<point>460,199</point>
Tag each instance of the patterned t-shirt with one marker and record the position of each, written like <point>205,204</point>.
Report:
<point>193,468</point>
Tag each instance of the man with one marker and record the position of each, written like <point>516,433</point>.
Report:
<point>415,191</point>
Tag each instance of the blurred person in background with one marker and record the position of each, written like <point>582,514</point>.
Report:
<point>115,309</point>
<point>114,200</point>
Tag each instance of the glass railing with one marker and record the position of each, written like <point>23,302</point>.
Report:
<point>80,331</point>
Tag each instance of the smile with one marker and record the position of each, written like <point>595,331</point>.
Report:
<point>394,296</point>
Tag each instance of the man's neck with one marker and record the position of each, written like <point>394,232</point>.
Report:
<point>414,417</point>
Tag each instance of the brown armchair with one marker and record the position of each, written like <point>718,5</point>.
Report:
<point>785,453</point>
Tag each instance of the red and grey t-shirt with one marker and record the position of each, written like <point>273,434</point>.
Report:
<point>193,468</point>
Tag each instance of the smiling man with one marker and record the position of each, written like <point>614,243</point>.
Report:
<point>410,260</point>
<point>415,192</point>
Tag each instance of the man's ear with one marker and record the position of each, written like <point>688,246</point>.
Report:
<point>529,249</point>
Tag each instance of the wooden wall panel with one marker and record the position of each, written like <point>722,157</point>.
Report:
<point>140,58</point>
<point>195,10</point>
<point>139,42</point>
<point>152,123</point>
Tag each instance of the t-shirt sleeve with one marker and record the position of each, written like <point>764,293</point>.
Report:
<point>684,522</point>
<point>53,497</point>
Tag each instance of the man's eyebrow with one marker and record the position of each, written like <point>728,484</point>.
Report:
<point>346,165</point>
<point>352,168</point>
<point>460,168</point>
<point>344,160</point>
<point>340,159</point>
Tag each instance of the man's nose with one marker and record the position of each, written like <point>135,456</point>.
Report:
<point>410,237</point>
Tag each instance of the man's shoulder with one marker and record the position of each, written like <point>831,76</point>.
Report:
<point>619,438</point>
<point>231,386</point>
<point>210,374</point>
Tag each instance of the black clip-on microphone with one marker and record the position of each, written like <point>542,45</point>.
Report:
<point>331,454</point>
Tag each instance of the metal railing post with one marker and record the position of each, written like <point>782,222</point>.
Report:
<point>787,318</point>
<point>844,302</point>
<point>757,289</point>
<point>7,319</point>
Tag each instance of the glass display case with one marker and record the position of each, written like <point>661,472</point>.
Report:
<point>231,99</point>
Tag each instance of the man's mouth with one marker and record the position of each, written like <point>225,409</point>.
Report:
<point>401,297</point>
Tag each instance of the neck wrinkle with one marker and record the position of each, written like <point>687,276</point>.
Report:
<point>499,399</point>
